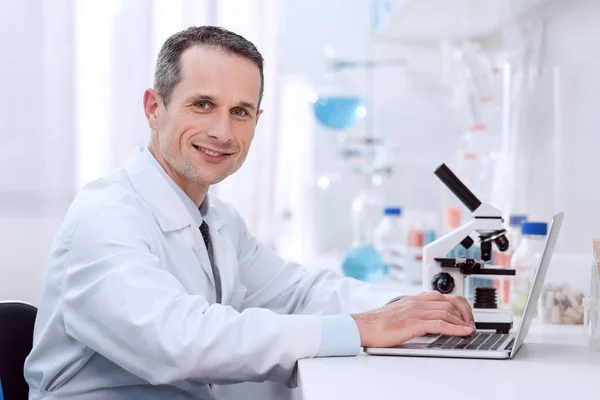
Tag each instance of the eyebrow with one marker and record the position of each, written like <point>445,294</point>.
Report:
<point>213,99</point>
<point>248,105</point>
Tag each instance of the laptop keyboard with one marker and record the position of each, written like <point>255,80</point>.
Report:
<point>478,341</point>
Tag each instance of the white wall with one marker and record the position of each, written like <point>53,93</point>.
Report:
<point>572,45</point>
<point>36,170</point>
<point>561,126</point>
<point>25,242</point>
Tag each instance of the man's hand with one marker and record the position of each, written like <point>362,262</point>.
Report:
<point>415,316</point>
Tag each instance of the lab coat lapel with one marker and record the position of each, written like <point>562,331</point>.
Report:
<point>224,254</point>
<point>225,259</point>
<point>166,205</point>
<point>163,201</point>
<point>197,243</point>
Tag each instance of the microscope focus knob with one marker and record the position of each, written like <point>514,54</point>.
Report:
<point>443,283</point>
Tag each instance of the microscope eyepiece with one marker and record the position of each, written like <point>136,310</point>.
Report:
<point>457,187</point>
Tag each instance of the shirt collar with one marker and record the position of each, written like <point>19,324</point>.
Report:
<point>194,211</point>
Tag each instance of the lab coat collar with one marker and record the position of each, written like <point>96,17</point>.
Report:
<point>194,211</point>
<point>212,215</point>
<point>166,205</point>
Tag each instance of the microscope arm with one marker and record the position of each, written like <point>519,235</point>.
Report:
<point>445,244</point>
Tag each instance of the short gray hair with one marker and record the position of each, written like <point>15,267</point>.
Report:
<point>168,65</point>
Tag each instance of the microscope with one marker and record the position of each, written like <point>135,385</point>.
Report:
<point>447,275</point>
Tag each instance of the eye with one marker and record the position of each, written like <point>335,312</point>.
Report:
<point>240,112</point>
<point>204,105</point>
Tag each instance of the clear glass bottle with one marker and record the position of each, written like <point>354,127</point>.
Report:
<point>525,262</point>
<point>390,241</point>
<point>592,303</point>
<point>366,210</point>
<point>362,261</point>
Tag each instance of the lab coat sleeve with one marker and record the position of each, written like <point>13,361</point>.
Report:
<point>289,288</point>
<point>120,303</point>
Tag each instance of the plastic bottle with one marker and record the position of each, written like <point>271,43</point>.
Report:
<point>514,232</point>
<point>592,303</point>
<point>525,262</point>
<point>390,241</point>
<point>595,281</point>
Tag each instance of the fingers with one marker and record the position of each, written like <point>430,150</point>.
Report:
<point>444,316</point>
<point>459,302</point>
<point>433,295</point>
<point>463,306</point>
<point>436,326</point>
<point>441,306</point>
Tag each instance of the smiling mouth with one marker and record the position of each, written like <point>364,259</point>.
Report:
<point>211,153</point>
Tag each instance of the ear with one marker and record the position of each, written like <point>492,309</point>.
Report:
<point>258,114</point>
<point>152,102</point>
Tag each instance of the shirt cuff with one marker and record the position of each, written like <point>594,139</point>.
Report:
<point>339,336</point>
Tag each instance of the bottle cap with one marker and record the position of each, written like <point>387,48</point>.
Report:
<point>516,220</point>
<point>596,244</point>
<point>534,228</point>
<point>392,211</point>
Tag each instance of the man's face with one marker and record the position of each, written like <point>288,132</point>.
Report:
<point>205,131</point>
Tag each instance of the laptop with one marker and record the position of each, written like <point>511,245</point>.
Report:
<point>483,344</point>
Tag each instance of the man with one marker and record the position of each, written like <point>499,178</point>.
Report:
<point>156,289</point>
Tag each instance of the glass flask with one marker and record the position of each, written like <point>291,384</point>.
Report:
<point>338,104</point>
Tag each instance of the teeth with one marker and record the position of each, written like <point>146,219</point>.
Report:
<point>210,153</point>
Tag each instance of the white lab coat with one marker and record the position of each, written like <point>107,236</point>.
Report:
<point>128,308</point>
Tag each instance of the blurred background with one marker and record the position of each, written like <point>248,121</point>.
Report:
<point>364,99</point>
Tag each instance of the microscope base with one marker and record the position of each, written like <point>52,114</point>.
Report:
<point>493,319</point>
<point>499,327</point>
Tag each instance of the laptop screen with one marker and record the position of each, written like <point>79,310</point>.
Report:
<point>538,281</point>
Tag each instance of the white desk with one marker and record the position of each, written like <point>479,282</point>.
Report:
<point>552,364</point>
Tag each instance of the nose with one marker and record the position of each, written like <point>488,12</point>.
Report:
<point>221,128</point>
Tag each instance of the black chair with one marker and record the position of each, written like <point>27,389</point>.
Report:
<point>16,340</point>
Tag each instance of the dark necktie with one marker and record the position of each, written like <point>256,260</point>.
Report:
<point>209,249</point>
